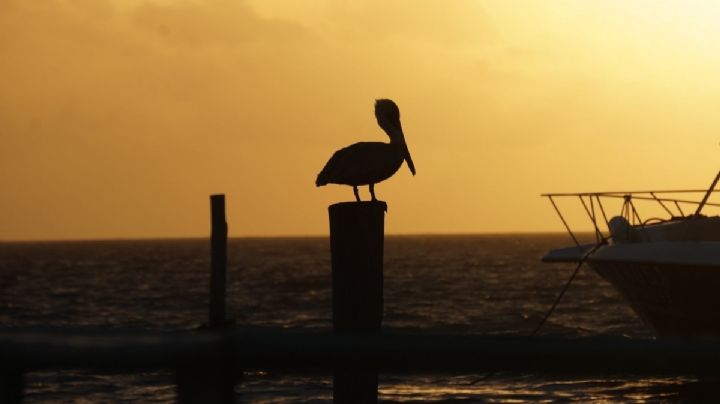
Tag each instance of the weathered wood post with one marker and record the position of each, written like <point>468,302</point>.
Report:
<point>204,385</point>
<point>215,382</point>
<point>11,385</point>
<point>218,261</point>
<point>356,243</point>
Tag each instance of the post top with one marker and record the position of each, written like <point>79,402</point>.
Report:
<point>354,205</point>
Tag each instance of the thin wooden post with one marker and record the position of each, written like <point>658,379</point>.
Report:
<point>11,385</point>
<point>218,261</point>
<point>212,386</point>
<point>215,382</point>
<point>356,244</point>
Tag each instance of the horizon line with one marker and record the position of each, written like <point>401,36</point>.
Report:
<point>285,236</point>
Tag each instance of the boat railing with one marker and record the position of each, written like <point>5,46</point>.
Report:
<point>671,202</point>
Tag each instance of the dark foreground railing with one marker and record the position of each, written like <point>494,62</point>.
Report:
<point>200,359</point>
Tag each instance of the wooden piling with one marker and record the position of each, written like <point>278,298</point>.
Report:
<point>218,261</point>
<point>356,244</point>
<point>210,378</point>
<point>216,386</point>
<point>11,385</point>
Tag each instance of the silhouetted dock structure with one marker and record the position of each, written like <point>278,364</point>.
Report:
<point>231,351</point>
<point>294,350</point>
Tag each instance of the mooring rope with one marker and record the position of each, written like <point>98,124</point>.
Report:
<point>556,302</point>
<point>567,286</point>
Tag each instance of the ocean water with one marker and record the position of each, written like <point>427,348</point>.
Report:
<point>485,284</point>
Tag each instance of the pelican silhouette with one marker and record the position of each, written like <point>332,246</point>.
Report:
<point>367,163</point>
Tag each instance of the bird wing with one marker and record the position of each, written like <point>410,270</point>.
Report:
<point>356,164</point>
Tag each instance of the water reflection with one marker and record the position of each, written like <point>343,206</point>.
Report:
<point>505,388</point>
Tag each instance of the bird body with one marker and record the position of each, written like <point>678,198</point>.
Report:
<point>367,163</point>
<point>362,163</point>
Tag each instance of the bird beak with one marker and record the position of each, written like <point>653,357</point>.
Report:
<point>401,139</point>
<point>409,161</point>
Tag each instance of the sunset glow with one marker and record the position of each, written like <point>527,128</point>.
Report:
<point>119,118</point>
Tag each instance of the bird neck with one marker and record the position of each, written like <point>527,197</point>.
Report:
<point>394,132</point>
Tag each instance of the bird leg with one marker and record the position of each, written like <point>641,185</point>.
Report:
<point>372,191</point>
<point>355,191</point>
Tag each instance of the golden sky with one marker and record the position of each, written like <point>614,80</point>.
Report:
<point>118,118</point>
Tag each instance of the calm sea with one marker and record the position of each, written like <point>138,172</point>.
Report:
<point>464,284</point>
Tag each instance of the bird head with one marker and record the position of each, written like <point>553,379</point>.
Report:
<point>388,117</point>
